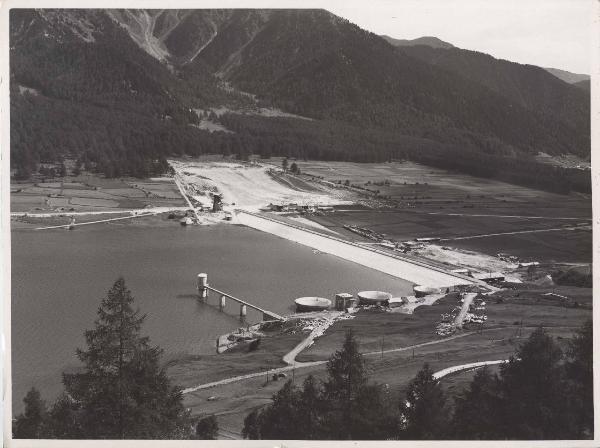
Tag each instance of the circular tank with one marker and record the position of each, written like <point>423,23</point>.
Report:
<point>422,291</point>
<point>312,304</point>
<point>373,297</point>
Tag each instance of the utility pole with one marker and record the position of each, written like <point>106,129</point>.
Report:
<point>382,340</point>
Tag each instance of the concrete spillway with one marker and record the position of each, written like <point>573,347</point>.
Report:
<point>393,265</point>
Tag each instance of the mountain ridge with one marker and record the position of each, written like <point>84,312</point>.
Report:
<point>430,41</point>
<point>160,65</point>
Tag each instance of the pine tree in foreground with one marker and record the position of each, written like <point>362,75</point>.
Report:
<point>345,407</point>
<point>252,424</point>
<point>122,391</point>
<point>477,410</point>
<point>424,414</point>
<point>580,375</point>
<point>533,391</point>
<point>31,423</point>
<point>540,394</point>
<point>207,428</point>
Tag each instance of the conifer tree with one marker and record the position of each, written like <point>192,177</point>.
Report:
<point>63,421</point>
<point>252,423</point>
<point>279,421</point>
<point>31,423</point>
<point>476,410</point>
<point>124,392</point>
<point>346,379</point>
<point>424,414</point>
<point>311,409</point>
<point>207,428</point>
<point>533,391</point>
<point>580,374</point>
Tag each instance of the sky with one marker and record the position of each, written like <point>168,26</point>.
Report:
<point>548,33</point>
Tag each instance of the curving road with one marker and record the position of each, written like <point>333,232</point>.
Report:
<point>471,366</point>
<point>290,358</point>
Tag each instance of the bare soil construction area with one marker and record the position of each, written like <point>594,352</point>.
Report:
<point>250,186</point>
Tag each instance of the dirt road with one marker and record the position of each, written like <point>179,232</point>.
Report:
<point>471,366</point>
<point>298,365</point>
<point>467,300</point>
<point>133,211</point>
<point>558,229</point>
<point>509,216</point>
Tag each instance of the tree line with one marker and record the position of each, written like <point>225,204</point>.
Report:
<point>542,392</point>
<point>465,153</point>
<point>118,143</point>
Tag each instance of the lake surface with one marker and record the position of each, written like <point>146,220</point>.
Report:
<point>59,277</point>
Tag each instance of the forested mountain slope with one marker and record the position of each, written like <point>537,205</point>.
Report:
<point>118,89</point>
<point>525,85</point>
<point>430,41</point>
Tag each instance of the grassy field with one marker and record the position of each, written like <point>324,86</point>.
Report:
<point>89,192</point>
<point>512,316</point>
<point>426,202</point>
<point>194,370</point>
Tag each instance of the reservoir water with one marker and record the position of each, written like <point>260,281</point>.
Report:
<point>59,277</point>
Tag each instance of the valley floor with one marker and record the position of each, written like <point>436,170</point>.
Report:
<point>477,224</point>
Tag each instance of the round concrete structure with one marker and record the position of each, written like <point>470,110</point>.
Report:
<point>422,291</point>
<point>373,297</point>
<point>304,304</point>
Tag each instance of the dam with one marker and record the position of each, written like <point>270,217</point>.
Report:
<point>395,265</point>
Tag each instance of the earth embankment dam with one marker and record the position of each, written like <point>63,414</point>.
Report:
<point>410,270</point>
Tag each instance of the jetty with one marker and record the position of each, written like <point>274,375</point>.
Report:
<point>204,288</point>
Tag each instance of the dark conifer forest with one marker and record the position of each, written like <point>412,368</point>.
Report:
<point>82,87</point>
<point>542,392</point>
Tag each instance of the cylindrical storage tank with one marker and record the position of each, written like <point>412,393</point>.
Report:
<point>373,297</point>
<point>341,300</point>
<point>304,304</point>
<point>422,291</point>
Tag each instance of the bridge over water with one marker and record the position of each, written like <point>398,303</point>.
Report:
<point>204,287</point>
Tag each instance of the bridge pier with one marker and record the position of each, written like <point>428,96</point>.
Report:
<point>204,287</point>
